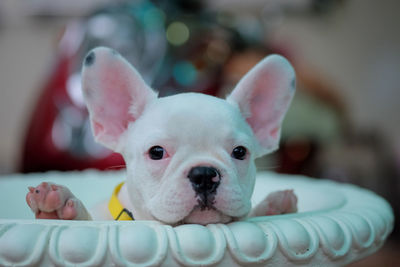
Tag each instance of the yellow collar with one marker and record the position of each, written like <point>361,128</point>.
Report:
<point>118,212</point>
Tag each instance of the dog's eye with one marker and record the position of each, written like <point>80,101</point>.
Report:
<point>239,152</point>
<point>156,152</point>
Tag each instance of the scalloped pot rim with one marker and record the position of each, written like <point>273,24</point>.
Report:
<point>336,225</point>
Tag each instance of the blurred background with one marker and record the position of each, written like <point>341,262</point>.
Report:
<point>343,125</point>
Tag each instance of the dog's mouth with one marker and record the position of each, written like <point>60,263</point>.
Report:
<point>206,214</point>
<point>205,201</point>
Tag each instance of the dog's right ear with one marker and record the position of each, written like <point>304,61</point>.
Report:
<point>115,95</point>
<point>263,96</point>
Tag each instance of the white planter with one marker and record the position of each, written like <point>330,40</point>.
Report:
<point>336,224</point>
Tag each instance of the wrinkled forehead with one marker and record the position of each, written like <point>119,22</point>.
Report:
<point>198,115</point>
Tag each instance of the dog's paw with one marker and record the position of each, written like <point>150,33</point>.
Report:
<point>51,201</point>
<point>279,202</point>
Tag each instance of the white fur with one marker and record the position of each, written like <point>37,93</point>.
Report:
<point>195,130</point>
<point>161,189</point>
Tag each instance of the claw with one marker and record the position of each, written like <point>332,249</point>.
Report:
<point>70,203</point>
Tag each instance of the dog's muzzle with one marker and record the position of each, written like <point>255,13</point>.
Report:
<point>205,181</point>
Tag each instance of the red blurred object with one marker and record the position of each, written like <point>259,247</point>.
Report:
<point>41,151</point>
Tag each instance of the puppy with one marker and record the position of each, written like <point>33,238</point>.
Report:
<point>189,157</point>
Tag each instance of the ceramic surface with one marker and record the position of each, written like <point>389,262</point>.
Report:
<point>336,224</point>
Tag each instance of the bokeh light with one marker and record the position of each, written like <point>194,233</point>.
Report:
<point>177,33</point>
<point>218,51</point>
<point>185,73</point>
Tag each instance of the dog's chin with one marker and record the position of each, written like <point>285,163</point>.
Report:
<point>206,216</point>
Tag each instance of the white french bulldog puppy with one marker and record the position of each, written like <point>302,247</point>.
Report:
<point>189,157</point>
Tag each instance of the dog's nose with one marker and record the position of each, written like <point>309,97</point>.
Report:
<point>205,180</point>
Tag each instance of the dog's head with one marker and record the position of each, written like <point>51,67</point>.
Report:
<point>190,157</point>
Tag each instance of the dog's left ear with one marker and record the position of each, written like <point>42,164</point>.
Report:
<point>115,95</point>
<point>263,96</point>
